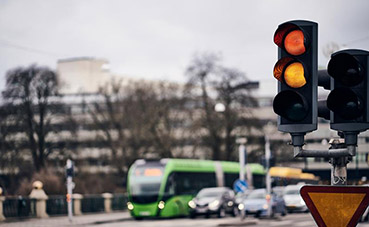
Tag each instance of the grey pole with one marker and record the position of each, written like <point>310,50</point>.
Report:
<point>268,178</point>
<point>242,156</point>
<point>242,161</point>
<point>69,166</point>
<point>339,164</point>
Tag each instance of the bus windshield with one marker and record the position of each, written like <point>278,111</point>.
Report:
<point>145,180</point>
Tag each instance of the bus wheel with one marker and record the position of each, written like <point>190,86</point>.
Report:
<point>138,218</point>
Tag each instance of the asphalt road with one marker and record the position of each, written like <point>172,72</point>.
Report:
<point>123,219</point>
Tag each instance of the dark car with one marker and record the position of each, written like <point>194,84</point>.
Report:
<point>256,204</point>
<point>219,201</point>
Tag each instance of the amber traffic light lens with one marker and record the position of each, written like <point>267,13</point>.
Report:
<point>294,42</point>
<point>294,75</point>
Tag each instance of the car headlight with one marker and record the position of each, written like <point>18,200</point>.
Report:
<point>241,206</point>
<point>192,204</point>
<point>265,206</point>
<point>214,204</point>
<point>161,205</point>
<point>130,206</point>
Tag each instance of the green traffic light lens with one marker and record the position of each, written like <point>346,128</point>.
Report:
<point>346,69</point>
<point>345,103</point>
<point>290,105</point>
<point>295,112</point>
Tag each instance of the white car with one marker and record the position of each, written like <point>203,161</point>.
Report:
<point>293,199</point>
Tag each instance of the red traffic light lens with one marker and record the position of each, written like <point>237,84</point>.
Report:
<point>291,38</point>
<point>346,69</point>
<point>345,103</point>
<point>294,43</point>
<point>281,32</point>
<point>290,105</point>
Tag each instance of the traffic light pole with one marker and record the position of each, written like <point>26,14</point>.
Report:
<point>338,153</point>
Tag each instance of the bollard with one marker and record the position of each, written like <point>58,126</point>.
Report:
<point>40,196</point>
<point>77,208</point>
<point>107,201</point>
<point>2,199</point>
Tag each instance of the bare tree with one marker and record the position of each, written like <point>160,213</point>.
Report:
<point>31,90</point>
<point>137,119</point>
<point>107,115</point>
<point>233,91</point>
<point>210,83</point>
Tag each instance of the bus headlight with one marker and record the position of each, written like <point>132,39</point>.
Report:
<point>241,206</point>
<point>161,205</point>
<point>130,206</point>
<point>214,205</point>
<point>192,204</point>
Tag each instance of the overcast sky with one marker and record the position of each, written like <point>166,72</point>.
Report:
<point>156,39</point>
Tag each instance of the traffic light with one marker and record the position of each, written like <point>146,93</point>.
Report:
<point>296,72</point>
<point>348,100</point>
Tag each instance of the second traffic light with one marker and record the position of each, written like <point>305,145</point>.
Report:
<point>348,101</point>
<point>296,71</point>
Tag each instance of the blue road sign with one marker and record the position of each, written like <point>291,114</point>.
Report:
<point>240,185</point>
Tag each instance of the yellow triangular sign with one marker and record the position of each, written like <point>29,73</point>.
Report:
<point>336,205</point>
<point>336,209</point>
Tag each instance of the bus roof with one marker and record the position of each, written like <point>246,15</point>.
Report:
<point>189,165</point>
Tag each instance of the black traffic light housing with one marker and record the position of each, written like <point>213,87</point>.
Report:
<point>349,98</point>
<point>296,71</point>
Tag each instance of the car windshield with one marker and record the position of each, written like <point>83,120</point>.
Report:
<point>292,192</point>
<point>209,193</point>
<point>257,195</point>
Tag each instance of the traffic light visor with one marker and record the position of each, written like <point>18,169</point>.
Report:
<point>280,67</point>
<point>290,105</point>
<point>346,69</point>
<point>291,38</point>
<point>344,102</point>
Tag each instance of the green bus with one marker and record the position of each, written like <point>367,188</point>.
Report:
<point>163,188</point>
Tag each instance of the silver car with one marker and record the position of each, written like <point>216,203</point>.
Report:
<point>293,199</point>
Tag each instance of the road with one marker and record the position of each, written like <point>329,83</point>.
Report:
<point>123,219</point>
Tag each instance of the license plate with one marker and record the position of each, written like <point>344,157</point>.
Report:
<point>291,206</point>
<point>252,210</point>
<point>144,213</point>
<point>201,210</point>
